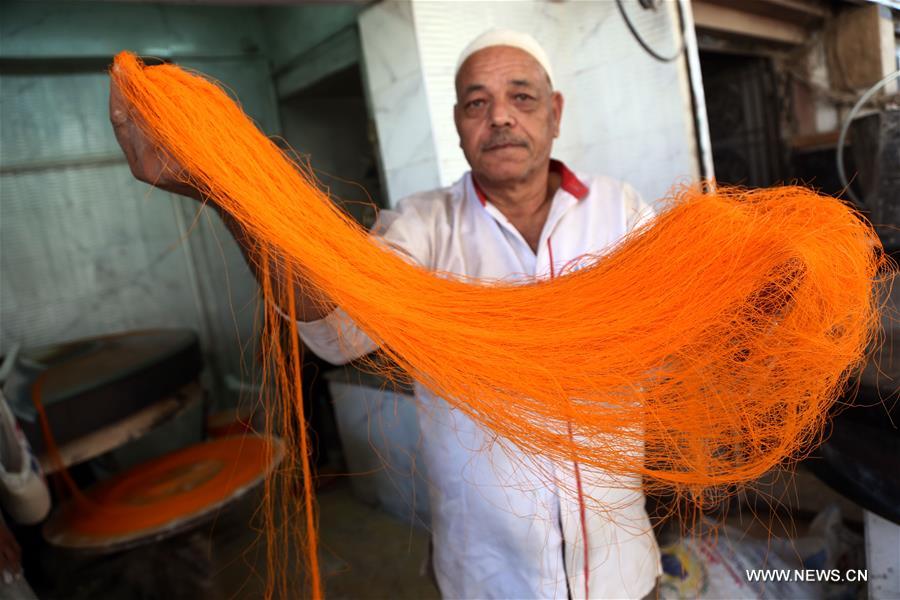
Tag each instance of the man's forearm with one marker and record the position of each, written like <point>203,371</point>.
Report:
<point>153,165</point>
<point>309,306</point>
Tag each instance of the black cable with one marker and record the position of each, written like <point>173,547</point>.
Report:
<point>644,44</point>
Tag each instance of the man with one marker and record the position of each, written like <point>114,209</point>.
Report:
<point>505,525</point>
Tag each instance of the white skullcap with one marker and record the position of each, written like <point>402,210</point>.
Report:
<point>507,37</point>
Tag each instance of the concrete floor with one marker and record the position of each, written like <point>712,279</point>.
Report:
<point>369,554</point>
<point>364,553</point>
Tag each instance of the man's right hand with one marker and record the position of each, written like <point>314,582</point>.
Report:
<point>152,164</point>
<point>148,162</point>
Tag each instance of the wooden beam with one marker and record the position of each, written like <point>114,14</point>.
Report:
<point>799,12</point>
<point>708,15</point>
<point>813,141</point>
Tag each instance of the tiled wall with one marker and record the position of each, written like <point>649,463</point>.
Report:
<point>397,97</point>
<point>86,249</point>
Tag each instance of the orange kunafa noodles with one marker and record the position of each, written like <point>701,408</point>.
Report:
<point>702,351</point>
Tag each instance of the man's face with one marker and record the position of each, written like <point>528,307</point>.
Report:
<point>506,114</point>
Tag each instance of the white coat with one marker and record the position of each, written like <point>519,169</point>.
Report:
<point>504,524</point>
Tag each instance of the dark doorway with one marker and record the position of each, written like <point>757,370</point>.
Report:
<point>328,125</point>
<point>742,107</point>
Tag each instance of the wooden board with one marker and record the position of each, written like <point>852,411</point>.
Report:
<point>119,433</point>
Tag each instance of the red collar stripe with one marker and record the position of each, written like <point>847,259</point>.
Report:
<point>482,197</point>
<point>569,182</point>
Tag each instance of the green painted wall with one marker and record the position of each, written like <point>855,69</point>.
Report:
<point>99,29</point>
<point>86,249</point>
<point>291,31</point>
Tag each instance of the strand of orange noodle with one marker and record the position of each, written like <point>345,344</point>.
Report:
<point>289,388</point>
<point>53,451</point>
<point>699,353</point>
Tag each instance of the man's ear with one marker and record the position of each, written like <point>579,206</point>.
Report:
<point>456,118</point>
<point>556,109</point>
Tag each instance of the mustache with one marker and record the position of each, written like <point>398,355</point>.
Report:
<point>503,138</point>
